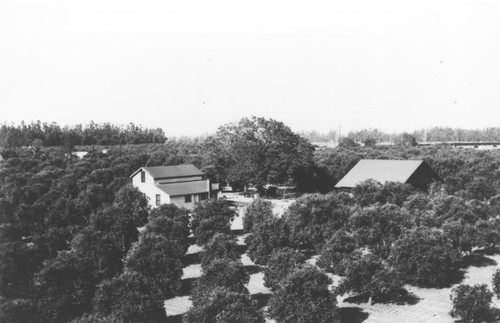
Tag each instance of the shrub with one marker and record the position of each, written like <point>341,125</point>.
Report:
<point>219,304</point>
<point>158,259</point>
<point>494,203</point>
<point>96,318</point>
<point>496,283</point>
<point>368,193</point>
<point>132,201</point>
<point>377,227</point>
<point>18,262</point>
<point>424,257</point>
<point>223,273</point>
<point>282,262</point>
<point>395,193</point>
<point>452,207</point>
<point>102,249</point>
<point>18,310</point>
<point>220,246</point>
<point>209,218</point>
<point>175,230</point>
<point>480,188</point>
<point>472,303</point>
<point>368,276</point>
<point>267,236</point>
<point>171,222</point>
<point>65,287</point>
<point>338,252</point>
<point>304,297</point>
<point>417,206</point>
<point>488,233</point>
<point>312,218</point>
<point>258,211</point>
<point>130,297</point>
<point>463,236</point>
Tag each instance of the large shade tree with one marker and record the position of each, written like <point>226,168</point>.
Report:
<point>260,151</point>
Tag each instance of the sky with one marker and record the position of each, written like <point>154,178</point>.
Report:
<point>190,66</point>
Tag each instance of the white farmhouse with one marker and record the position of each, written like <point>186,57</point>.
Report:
<point>182,185</point>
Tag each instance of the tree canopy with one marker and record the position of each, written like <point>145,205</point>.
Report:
<point>304,297</point>
<point>259,151</point>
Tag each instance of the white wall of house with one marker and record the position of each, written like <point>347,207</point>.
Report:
<point>136,180</point>
<point>149,189</point>
<point>180,201</point>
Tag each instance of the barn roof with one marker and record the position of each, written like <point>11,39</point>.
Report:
<point>171,171</point>
<point>381,170</point>
<point>184,188</point>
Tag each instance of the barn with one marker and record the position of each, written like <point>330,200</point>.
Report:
<point>182,185</point>
<point>414,172</point>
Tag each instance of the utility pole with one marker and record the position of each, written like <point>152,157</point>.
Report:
<point>340,132</point>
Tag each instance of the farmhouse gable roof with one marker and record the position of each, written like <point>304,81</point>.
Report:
<point>184,188</point>
<point>162,172</point>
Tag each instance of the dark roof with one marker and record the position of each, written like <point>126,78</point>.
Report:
<point>172,171</point>
<point>381,170</point>
<point>184,188</point>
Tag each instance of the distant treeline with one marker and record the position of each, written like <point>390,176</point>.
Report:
<point>438,134</point>
<point>315,136</point>
<point>51,134</point>
<point>458,134</point>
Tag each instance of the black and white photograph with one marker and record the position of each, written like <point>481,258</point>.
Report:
<point>267,161</point>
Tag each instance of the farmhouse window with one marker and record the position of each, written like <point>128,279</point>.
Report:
<point>187,199</point>
<point>203,196</point>
<point>158,200</point>
<point>143,176</point>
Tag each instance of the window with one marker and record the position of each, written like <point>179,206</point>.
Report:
<point>158,200</point>
<point>187,199</point>
<point>203,196</point>
<point>143,176</point>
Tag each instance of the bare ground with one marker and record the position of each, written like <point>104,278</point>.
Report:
<point>434,305</point>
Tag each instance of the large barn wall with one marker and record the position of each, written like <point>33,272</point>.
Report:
<point>423,176</point>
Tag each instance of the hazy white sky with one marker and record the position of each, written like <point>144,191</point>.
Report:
<point>189,66</point>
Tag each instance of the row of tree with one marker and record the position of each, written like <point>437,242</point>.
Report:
<point>220,294</point>
<point>38,134</point>
<point>300,292</point>
<point>379,239</point>
<point>433,134</point>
